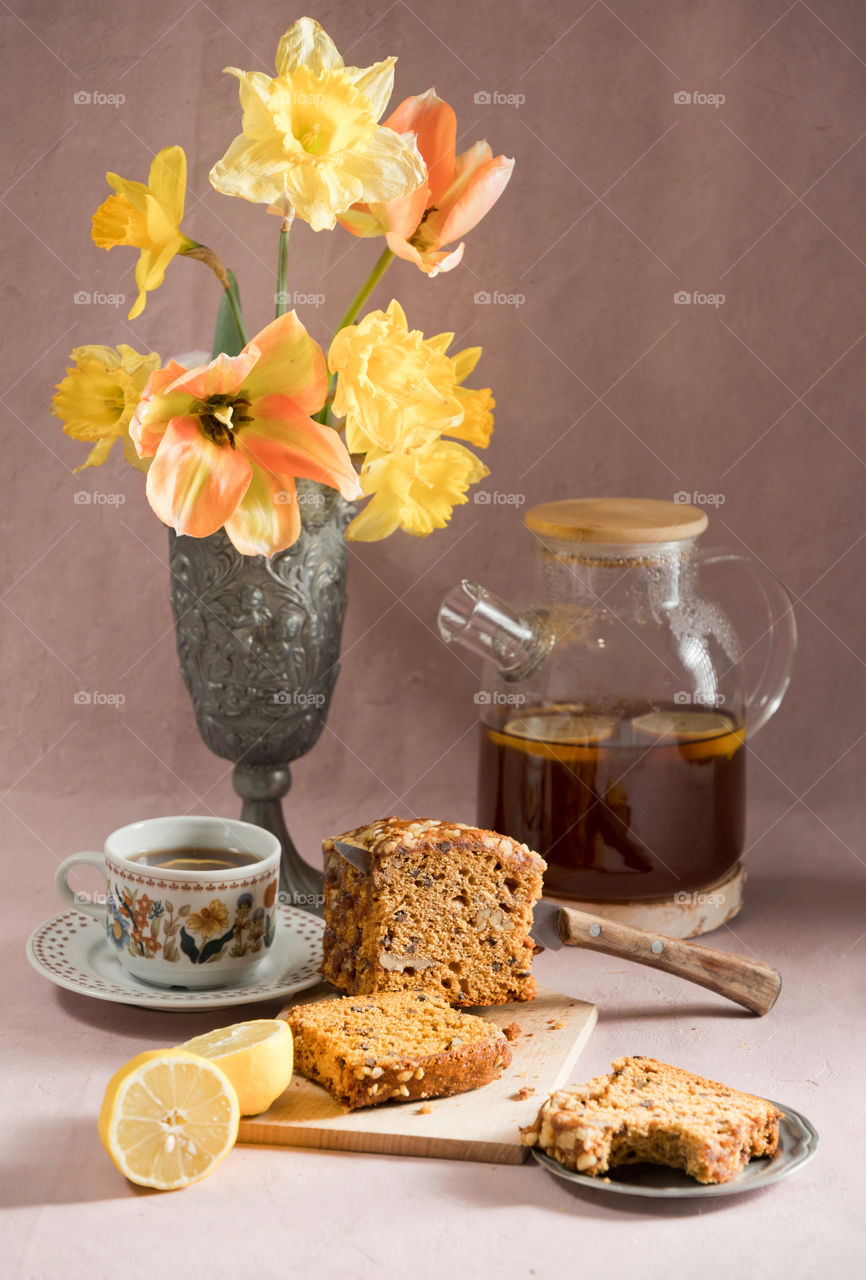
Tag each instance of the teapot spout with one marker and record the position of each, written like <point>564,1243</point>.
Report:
<point>516,643</point>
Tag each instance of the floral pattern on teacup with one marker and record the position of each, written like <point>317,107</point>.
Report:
<point>146,927</point>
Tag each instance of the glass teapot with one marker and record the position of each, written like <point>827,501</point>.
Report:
<point>614,713</point>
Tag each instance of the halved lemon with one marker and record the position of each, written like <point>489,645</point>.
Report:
<point>256,1056</point>
<point>168,1118</point>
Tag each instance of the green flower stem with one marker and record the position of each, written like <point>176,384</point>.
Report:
<point>203,254</point>
<point>382,264</point>
<point>281,300</point>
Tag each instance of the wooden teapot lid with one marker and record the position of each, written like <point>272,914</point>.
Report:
<point>615,520</point>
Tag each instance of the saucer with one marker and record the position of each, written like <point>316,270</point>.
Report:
<point>71,951</point>
<point>798,1142</point>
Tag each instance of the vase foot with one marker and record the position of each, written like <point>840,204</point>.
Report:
<point>262,787</point>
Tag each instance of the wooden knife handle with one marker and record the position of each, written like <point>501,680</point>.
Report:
<point>751,983</point>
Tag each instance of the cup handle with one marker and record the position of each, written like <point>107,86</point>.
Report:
<point>781,633</point>
<point>95,909</point>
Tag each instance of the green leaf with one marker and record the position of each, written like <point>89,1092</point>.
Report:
<point>188,947</point>
<point>214,947</point>
<point>228,338</point>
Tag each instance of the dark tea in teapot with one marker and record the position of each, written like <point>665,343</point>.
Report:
<point>615,700</point>
<point>644,803</point>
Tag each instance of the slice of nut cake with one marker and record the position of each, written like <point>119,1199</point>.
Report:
<point>400,1045</point>
<point>647,1111</point>
<point>443,908</point>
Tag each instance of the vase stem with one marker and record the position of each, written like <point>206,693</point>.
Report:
<point>262,787</point>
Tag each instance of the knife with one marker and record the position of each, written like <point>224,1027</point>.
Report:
<point>750,983</point>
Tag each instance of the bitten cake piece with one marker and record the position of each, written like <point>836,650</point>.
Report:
<point>401,1044</point>
<point>442,907</point>
<point>646,1110</point>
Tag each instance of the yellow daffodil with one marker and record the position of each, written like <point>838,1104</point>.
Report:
<point>477,424</point>
<point>147,217</point>
<point>414,489</point>
<point>98,397</point>
<point>392,382</point>
<point>310,142</point>
<point>399,393</point>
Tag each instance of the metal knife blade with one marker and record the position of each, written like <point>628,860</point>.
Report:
<point>545,928</point>
<point>355,854</point>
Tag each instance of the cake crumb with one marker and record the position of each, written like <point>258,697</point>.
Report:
<point>426,1110</point>
<point>526,1092</point>
<point>512,1032</point>
<point>557,1026</point>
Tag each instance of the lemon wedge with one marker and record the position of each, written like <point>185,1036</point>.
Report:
<point>168,1118</point>
<point>256,1056</point>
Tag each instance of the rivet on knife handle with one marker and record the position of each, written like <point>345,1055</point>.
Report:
<point>747,982</point>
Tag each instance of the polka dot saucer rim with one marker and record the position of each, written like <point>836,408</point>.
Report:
<point>71,951</point>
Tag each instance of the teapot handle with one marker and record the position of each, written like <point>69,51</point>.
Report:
<point>764,698</point>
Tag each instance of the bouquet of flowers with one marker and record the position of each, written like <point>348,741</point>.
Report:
<point>386,415</point>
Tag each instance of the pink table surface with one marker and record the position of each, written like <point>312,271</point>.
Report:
<point>269,1211</point>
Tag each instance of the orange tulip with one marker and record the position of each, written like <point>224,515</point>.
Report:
<point>458,192</point>
<point>228,439</point>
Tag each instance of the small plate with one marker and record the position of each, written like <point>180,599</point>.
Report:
<point>71,951</point>
<point>798,1142</point>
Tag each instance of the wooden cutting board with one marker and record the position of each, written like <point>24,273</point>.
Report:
<point>480,1125</point>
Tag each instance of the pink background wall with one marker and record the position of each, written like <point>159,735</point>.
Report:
<point>620,198</point>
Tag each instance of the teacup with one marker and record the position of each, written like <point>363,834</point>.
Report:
<point>189,901</point>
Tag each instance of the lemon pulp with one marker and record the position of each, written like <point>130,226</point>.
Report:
<point>168,1118</point>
